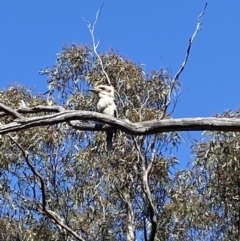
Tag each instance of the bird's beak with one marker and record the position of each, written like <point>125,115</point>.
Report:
<point>93,90</point>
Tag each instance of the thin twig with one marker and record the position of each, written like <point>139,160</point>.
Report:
<point>198,28</point>
<point>91,28</point>
<point>183,65</point>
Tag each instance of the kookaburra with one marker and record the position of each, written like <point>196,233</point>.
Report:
<point>106,105</point>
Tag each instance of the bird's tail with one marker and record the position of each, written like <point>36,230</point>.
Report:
<point>110,141</point>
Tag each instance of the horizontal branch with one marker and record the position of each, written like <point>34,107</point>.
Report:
<point>74,117</point>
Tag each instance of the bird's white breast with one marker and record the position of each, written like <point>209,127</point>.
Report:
<point>106,105</point>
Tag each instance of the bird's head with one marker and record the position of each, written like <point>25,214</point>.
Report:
<point>103,90</point>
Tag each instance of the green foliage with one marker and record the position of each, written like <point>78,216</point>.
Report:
<point>88,188</point>
<point>206,197</point>
<point>95,192</point>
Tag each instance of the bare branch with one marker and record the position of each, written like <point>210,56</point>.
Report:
<point>25,110</point>
<point>139,128</point>
<point>54,216</point>
<point>183,65</point>
<point>130,222</point>
<point>130,216</point>
<point>91,29</point>
<point>146,189</point>
<point>9,110</point>
<point>198,28</point>
<point>152,212</point>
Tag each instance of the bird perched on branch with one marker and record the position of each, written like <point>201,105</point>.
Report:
<point>106,105</point>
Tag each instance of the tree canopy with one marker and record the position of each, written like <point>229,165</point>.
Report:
<point>58,181</point>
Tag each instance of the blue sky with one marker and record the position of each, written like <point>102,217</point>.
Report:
<point>153,32</point>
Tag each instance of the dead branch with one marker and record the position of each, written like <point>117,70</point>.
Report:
<point>91,28</point>
<point>73,118</point>
<point>183,65</point>
<point>7,110</point>
<point>198,28</point>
